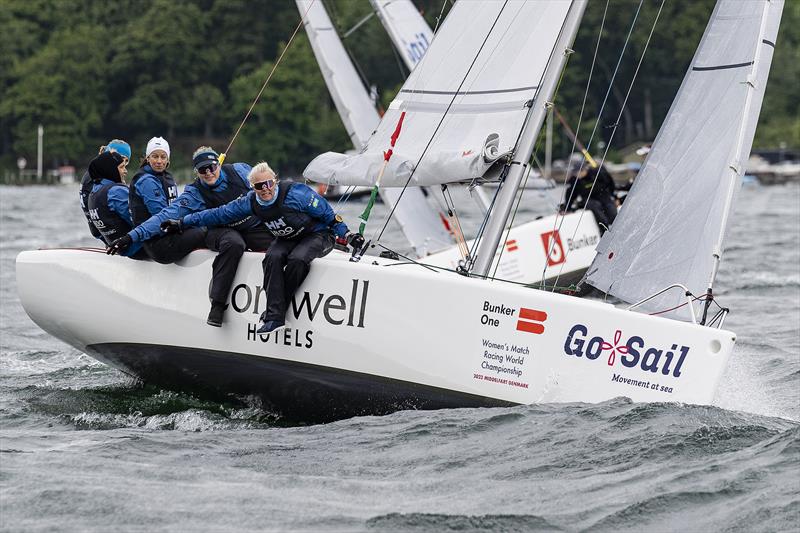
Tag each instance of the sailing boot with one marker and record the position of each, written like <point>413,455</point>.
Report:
<point>216,314</point>
<point>269,326</point>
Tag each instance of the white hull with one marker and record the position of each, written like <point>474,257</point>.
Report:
<point>369,337</point>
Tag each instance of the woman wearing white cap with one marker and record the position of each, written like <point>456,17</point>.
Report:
<point>152,189</point>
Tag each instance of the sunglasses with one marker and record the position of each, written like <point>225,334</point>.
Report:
<point>207,169</point>
<point>269,184</point>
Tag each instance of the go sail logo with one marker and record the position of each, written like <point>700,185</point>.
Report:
<point>633,352</point>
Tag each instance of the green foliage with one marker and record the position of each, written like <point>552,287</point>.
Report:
<point>780,114</point>
<point>286,127</point>
<point>189,70</point>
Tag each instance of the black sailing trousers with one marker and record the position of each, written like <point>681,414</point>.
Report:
<point>604,209</point>
<point>170,248</point>
<point>231,244</point>
<point>286,265</point>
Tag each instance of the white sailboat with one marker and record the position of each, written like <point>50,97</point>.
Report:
<point>382,335</point>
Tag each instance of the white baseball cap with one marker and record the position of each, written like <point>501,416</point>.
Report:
<point>157,143</point>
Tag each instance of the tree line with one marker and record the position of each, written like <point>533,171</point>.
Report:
<point>188,70</point>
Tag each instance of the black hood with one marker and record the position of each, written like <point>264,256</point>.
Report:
<point>105,166</point>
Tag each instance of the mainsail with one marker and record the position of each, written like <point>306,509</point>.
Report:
<point>673,223</point>
<point>408,30</point>
<point>420,224</point>
<point>473,90</point>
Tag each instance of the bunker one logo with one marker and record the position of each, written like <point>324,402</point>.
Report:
<point>553,248</point>
<point>530,320</point>
<point>633,352</point>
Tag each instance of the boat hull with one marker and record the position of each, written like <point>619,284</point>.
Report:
<point>367,337</point>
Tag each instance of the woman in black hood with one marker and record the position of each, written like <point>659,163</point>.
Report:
<point>108,166</point>
<point>108,201</point>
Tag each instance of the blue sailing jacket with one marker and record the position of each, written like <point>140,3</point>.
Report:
<point>300,198</point>
<point>190,201</point>
<point>115,202</point>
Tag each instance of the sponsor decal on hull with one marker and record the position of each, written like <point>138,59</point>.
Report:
<point>650,362</point>
<point>504,354</point>
<point>345,310</point>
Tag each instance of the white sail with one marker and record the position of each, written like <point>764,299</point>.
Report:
<point>357,110</point>
<point>409,32</point>
<point>419,222</point>
<point>671,228</point>
<point>472,89</point>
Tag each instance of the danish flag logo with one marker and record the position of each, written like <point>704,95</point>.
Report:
<point>551,241</point>
<point>531,320</point>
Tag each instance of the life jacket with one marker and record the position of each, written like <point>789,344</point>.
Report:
<point>139,211</point>
<point>236,189</point>
<point>110,225</point>
<point>281,221</point>
<point>86,190</point>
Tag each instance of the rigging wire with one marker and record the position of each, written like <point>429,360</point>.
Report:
<point>599,114</point>
<point>266,82</point>
<point>556,221</point>
<point>619,115</point>
<point>441,121</point>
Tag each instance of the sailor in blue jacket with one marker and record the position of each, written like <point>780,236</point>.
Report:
<point>303,223</point>
<point>215,185</point>
<point>107,203</point>
<point>114,145</point>
<point>152,189</point>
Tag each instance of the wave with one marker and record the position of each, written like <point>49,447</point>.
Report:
<point>133,405</point>
<point>466,523</point>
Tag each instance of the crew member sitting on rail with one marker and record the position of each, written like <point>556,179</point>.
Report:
<point>303,223</point>
<point>107,203</point>
<point>215,185</point>
<point>114,145</point>
<point>152,189</point>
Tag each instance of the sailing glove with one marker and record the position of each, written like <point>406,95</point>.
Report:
<point>172,226</point>
<point>355,240</point>
<point>119,245</point>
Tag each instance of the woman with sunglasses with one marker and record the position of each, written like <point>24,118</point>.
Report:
<point>153,190</point>
<point>303,223</point>
<point>214,185</point>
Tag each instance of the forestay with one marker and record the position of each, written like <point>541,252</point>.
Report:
<point>672,225</point>
<point>481,71</point>
<point>406,27</point>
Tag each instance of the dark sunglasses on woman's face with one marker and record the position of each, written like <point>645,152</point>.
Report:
<point>207,169</point>
<point>269,184</point>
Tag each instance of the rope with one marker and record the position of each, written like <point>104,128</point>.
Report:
<point>438,268</point>
<point>266,82</point>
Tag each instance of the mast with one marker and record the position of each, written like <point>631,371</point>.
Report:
<point>519,163</point>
